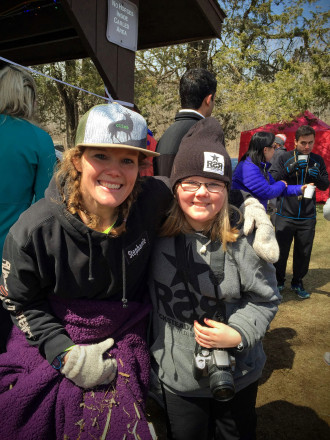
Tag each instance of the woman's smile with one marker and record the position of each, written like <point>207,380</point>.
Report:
<point>108,185</point>
<point>200,206</point>
<point>108,176</point>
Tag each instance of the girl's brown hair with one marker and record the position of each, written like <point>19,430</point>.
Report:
<point>68,182</point>
<point>219,228</point>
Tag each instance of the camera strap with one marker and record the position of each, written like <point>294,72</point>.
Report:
<point>216,274</point>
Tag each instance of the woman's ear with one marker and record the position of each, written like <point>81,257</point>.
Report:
<point>77,163</point>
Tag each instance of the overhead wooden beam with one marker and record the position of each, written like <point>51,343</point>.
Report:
<point>44,31</point>
<point>115,64</point>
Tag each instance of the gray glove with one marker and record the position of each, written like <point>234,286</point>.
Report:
<point>265,243</point>
<point>86,367</point>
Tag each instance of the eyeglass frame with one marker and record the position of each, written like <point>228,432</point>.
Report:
<point>206,184</point>
<point>273,146</point>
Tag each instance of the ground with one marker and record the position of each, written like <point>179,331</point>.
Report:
<point>294,393</point>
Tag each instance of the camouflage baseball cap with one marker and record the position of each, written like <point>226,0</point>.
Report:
<point>113,126</point>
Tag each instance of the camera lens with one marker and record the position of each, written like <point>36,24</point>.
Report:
<point>221,384</point>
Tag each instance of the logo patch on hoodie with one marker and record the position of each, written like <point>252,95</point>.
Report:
<point>214,163</point>
<point>5,272</point>
<point>137,248</point>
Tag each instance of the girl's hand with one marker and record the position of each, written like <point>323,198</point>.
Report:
<point>216,335</point>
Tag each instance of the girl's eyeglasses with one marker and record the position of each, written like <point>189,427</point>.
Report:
<point>192,186</point>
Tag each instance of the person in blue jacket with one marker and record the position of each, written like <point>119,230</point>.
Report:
<point>252,176</point>
<point>27,155</point>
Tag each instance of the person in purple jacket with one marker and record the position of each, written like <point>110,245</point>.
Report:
<point>252,176</point>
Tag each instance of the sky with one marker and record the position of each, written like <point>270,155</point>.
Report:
<point>324,6</point>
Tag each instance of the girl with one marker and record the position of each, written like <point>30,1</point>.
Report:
<point>213,299</point>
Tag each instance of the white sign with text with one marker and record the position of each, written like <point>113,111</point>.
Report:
<point>122,28</point>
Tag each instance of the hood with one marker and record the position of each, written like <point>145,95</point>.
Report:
<point>71,223</point>
<point>78,230</point>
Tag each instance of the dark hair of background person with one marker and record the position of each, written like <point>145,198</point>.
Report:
<point>195,85</point>
<point>258,142</point>
<point>304,130</point>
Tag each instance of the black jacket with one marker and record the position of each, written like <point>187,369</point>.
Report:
<point>168,144</point>
<point>292,207</point>
<point>51,252</point>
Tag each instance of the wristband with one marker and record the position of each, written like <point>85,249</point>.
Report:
<point>58,361</point>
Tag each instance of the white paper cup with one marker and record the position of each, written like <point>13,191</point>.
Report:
<point>303,157</point>
<point>309,191</point>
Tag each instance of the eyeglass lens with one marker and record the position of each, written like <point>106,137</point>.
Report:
<point>194,186</point>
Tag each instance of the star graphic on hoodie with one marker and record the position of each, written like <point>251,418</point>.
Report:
<point>215,157</point>
<point>194,269</point>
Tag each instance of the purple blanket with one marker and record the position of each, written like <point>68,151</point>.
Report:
<point>38,403</point>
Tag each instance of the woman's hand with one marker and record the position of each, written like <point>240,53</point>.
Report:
<point>216,335</point>
<point>86,367</point>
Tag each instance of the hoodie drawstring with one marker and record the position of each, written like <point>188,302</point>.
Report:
<point>90,266</point>
<point>90,263</point>
<point>124,300</point>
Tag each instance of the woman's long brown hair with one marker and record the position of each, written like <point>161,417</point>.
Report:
<point>68,182</point>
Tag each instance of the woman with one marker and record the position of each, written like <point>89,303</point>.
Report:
<point>74,282</point>
<point>251,173</point>
<point>213,299</point>
<point>27,155</point>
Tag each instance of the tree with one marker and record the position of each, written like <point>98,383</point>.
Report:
<point>271,62</point>
<point>73,102</point>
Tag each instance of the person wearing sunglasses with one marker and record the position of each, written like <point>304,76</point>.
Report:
<point>252,175</point>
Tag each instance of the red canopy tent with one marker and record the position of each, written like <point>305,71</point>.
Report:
<point>322,140</point>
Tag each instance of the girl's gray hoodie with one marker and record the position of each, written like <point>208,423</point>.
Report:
<point>251,297</point>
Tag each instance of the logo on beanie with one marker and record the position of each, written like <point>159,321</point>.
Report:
<point>214,163</point>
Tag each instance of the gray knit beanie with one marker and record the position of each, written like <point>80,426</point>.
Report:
<point>202,153</point>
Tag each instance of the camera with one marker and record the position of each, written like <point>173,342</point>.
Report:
<point>219,366</point>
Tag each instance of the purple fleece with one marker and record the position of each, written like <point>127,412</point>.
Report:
<point>37,402</point>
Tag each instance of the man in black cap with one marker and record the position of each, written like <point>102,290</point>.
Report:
<point>197,92</point>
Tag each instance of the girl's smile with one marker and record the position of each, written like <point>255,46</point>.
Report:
<point>201,206</point>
